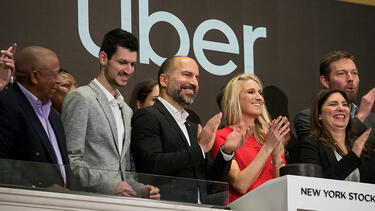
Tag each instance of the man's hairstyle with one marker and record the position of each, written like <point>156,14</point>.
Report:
<point>167,65</point>
<point>118,37</point>
<point>141,91</point>
<point>332,56</point>
<point>28,59</point>
<point>231,108</point>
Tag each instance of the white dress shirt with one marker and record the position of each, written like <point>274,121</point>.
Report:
<point>181,119</point>
<point>116,103</point>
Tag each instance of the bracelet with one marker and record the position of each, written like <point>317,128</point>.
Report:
<point>279,164</point>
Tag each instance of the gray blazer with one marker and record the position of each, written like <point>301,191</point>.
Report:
<point>91,138</point>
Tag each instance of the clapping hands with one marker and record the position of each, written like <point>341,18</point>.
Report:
<point>367,105</point>
<point>149,191</point>
<point>360,142</point>
<point>237,137</point>
<point>206,135</point>
<point>278,130</point>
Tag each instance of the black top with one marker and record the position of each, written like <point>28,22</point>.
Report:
<point>313,151</point>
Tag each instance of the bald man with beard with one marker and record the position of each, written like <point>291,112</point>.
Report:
<point>29,129</point>
<point>165,142</point>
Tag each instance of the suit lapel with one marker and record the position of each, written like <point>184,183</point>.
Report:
<point>172,121</point>
<point>106,107</point>
<point>58,129</point>
<point>125,146</point>
<point>60,136</point>
<point>35,123</point>
<point>330,155</point>
<point>192,131</point>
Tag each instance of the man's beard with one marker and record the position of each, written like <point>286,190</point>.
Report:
<point>351,97</point>
<point>183,100</point>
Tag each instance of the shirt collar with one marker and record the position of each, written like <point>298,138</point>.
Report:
<point>117,98</point>
<point>35,102</point>
<point>354,110</point>
<point>173,111</point>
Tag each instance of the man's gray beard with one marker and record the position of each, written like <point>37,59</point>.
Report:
<point>182,100</point>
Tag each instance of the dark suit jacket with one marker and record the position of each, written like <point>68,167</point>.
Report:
<point>313,151</point>
<point>22,137</point>
<point>160,147</point>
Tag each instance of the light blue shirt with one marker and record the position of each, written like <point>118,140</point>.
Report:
<point>354,110</point>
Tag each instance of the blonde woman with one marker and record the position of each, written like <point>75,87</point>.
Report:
<point>261,156</point>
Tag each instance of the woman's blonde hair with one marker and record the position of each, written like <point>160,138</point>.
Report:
<point>230,105</point>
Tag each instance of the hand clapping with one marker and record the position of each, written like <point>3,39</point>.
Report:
<point>206,135</point>
<point>237,138</point>
<point>278,129</point>
<point>359,144</point>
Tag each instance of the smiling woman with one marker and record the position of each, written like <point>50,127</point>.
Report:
<point>144,94</point>
<point>261,156</point>
<point>65,84</point>
<point>333,143</point>
<point>334,113</point>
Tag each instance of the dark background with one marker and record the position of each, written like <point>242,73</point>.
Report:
<point>299,33</point>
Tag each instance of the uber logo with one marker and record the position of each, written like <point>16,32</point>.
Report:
<point>146,21</point>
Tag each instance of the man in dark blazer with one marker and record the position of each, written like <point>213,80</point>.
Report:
<point>30,130</point>
<point>338,71</point>
<point>164,142</point>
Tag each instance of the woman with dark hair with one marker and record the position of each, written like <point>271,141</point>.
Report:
<point>144,94</point>
<point>65,83</point>
<point>262,154</point>
<point>333,143</point>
